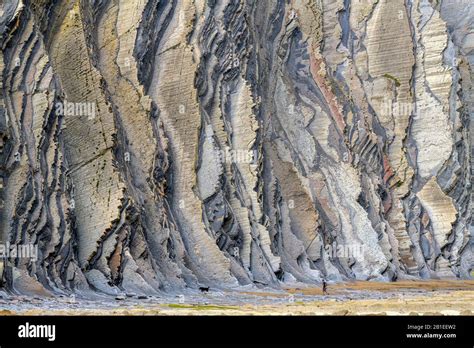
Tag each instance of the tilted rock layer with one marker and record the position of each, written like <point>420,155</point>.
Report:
<point>150,145</point>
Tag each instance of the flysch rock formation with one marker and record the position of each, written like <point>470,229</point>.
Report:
<point>148,146</point>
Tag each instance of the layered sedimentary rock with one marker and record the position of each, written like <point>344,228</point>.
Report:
<point>151,145</point>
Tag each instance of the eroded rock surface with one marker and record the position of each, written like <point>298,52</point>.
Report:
<point>150,145</point>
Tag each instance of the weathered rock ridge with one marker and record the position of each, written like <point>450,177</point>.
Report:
<point>150,145</point>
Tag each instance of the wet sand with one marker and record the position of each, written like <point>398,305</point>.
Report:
<point>442,297</point>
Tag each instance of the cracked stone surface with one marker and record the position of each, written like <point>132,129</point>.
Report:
<point>151,146</point>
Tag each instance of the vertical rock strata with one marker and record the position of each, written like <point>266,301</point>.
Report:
<point>150,145</point>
